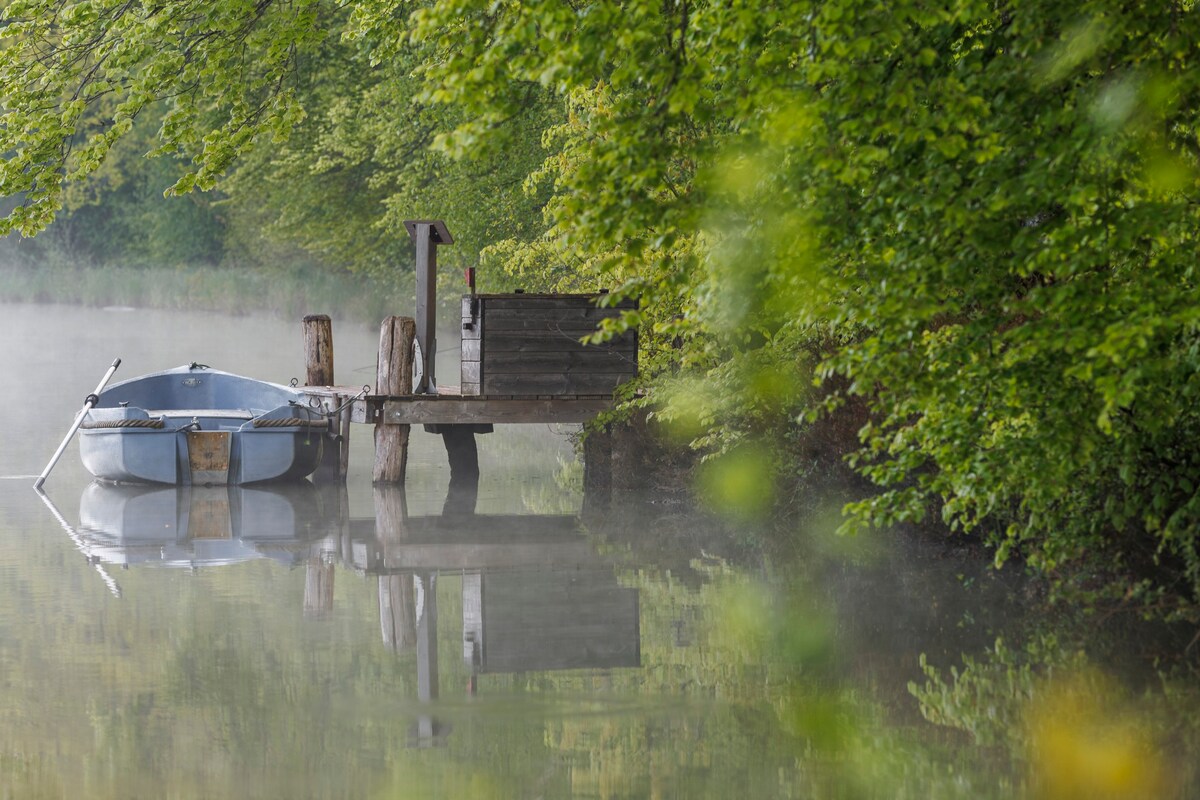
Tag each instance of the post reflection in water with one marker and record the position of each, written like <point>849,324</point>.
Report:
<point>535,595</point>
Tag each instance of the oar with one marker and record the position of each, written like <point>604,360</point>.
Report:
<point>91,400</point>
<point>77,540</point>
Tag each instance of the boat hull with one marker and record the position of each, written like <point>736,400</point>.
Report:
<point>155,430</point>
<point>165,456</point>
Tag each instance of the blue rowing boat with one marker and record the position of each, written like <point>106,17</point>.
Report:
<point>196,425</point>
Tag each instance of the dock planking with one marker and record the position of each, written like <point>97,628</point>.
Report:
<point>450,409</point>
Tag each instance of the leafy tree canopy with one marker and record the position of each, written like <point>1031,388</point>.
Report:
<point>983,214</point>
<point>978,218</point>
<point>76,75</point>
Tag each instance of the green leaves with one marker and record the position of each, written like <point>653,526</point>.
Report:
<point>1024,286</point>
<point>986,209</point>
<point>977,221</point>
<point>74,76</point>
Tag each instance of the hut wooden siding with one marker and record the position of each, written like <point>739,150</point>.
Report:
<point>528,344</point>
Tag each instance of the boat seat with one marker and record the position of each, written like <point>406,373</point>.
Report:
<point>210,413</point>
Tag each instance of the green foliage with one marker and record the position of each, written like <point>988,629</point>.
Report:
<point>988,696</point>
<point>360,163</point>
<point>76,76</point>
<point>1078,731</point>
<point>331,148</point>
<point>1019,270</point>
<point>977,219</point>
<point>119,215</point>
<point>988,209</point>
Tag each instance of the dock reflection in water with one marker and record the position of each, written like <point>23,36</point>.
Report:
<point>535,595</point>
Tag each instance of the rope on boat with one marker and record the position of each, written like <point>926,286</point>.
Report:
<point>122,423</point>
<point>291,422</point>
<point>285,422</point>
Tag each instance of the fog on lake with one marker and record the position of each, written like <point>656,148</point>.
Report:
<point>518,640</point>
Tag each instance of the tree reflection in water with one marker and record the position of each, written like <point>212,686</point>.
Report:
<point>554,655</point>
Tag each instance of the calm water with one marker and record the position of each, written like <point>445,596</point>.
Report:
<point>315,642</point>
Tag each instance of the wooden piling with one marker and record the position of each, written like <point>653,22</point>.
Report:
<point>318,350</point>
<point>394,377</point>
<point>318,371</point>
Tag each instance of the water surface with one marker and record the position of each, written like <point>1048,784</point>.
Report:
<point>322,642</point>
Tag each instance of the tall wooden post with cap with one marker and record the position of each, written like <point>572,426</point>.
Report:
<point>427,234</point>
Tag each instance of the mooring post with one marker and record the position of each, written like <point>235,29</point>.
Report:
<point>318,350</point>
<point>427,234</point>
<point>318,371</point>
<point>394,377</point>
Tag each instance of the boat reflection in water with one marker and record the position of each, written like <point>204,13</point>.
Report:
<point>194,526</point>
<point>535,594</point>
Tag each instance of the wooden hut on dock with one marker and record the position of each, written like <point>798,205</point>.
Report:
<point>524,359</point>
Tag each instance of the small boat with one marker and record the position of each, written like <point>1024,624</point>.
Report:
<point>196,425</point>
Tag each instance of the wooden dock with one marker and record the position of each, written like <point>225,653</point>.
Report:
<point>448,407</point>
<point>524,360</point>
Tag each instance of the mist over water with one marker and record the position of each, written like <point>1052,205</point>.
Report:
<point>307,641</point>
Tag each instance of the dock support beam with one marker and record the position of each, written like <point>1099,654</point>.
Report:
<point>463,455</point>
<point>394,376</point>
<point>427,234</point>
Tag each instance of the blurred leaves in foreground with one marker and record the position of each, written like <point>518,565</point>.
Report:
<point>1080,732</point>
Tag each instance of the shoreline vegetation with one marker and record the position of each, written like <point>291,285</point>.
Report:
<point>972,225</point>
